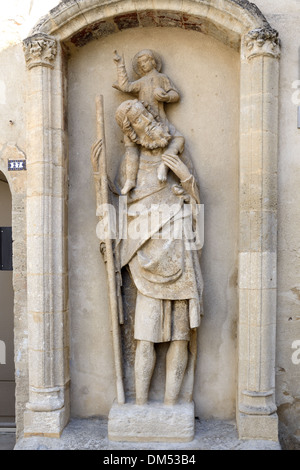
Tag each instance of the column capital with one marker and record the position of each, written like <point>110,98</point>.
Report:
<point>40,50</point>
<point>262,42</point>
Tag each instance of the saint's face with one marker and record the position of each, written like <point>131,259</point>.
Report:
<point>141,120</point>
<point>151,134</point>
<point>145,63</point>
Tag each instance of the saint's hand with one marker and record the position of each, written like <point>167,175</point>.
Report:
<point>177,166</point>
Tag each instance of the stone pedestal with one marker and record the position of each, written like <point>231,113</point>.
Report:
<point>45,423</point>
<point>153,422</point>
<point>263,427</point>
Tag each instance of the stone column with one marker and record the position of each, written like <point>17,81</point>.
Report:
<point>257,418</point>
<point>47,409</point>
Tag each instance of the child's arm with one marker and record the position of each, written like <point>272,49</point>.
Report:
<point>123,83</point>
<point>167,92</point>
<point>170,96</point>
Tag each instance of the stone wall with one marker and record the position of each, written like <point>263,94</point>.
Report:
<point>285,18</point>
<point>17,184</point>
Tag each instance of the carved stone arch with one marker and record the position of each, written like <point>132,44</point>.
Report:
<point>73,23</point>
<point>79,21</point>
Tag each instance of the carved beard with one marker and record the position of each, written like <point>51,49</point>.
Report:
<point>155,136</point>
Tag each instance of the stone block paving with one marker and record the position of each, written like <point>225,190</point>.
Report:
<point>91,434</point>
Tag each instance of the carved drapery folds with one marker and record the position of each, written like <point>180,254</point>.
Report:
<point>40,50</point>
<point>262,41</point>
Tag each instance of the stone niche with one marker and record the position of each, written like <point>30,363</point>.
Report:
<point>208,116</point>
<point>223,57</point>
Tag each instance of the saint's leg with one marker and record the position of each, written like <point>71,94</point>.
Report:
<point>144,365</point>
<point>177,357</point>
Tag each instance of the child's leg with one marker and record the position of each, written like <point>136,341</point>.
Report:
<point>162,172</point>
<point>131,166</point>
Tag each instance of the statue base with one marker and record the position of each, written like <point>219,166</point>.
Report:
<point>153,422</point>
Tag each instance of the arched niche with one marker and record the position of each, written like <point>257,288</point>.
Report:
<point>72,24</point>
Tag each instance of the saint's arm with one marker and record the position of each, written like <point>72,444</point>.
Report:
<point>191,187</point>
<point>186,178</point>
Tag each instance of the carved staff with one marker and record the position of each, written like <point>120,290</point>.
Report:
<point>102,190</point>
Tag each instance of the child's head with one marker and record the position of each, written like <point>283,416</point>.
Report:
<point>145,61</point>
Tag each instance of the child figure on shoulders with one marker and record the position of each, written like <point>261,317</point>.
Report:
<point>153,89</point>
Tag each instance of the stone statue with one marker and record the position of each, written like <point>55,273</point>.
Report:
<point>157,246</point>
<point>165,270</point>
<point>153,90</point>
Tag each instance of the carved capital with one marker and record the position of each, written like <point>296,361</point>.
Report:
<point>40,50</point>
<point>262,41</point>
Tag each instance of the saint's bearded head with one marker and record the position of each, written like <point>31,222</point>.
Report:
<point>139,124</point>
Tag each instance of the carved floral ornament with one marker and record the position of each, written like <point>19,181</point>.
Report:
<point>39,50</point>
<point>262,41</point>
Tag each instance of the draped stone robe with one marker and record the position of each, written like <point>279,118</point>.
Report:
<point>157,246</point>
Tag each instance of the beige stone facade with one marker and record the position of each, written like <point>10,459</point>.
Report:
<point>236,66</point>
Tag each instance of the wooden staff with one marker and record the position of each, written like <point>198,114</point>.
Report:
<point>110,264</point>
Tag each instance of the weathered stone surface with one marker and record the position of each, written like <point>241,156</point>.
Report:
<point>94,31</point>
<point>91,434</point>
<point>263,41</point>
<point>258,427</point>
<point>153,422</point>
<point>45,423</point>
<point>40,50</point>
